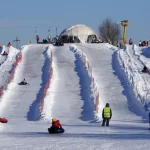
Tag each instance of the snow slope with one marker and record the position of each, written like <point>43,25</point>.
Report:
<point>64,90</point>
<point>67,102</point>
<point>133,62</point>
<point>7,63</point>
<point>19,100</point>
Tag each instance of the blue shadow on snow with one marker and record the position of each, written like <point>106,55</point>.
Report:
<point>124,136</point>
<point>86,94</point>
<point>10,71</point>
<point>34,111</point>
<point>133,104</point>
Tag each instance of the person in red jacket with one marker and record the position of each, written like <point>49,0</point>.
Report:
<point>37,39</point>
<point>56,127</point>
<point>5,53</point>
<point>56,124</point>
<point>8,45</point>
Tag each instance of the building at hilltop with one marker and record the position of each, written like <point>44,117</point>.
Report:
<point>78,34</point>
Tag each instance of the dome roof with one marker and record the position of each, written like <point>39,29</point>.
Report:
<point>79,30</point>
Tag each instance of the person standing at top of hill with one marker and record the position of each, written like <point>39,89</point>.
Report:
<point>49,38</point>
<point>37,39</point>
<point>8,45</point>
<point>130,42</point>
<point>140,43</point>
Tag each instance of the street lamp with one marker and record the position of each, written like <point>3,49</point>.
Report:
<point>124,23</point>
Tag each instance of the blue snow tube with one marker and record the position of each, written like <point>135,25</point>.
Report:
<point>55,130</point>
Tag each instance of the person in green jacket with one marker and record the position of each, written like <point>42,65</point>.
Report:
<point>106,115</point>
<point>57,38</point>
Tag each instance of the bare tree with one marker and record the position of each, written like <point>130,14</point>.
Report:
<point>110,31</point>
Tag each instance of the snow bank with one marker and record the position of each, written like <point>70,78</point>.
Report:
<point>8,67</point>
<point>132,65</point>
<point>47,85</point>
<point>146,52</point>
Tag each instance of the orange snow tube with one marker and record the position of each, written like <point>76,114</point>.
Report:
<point>3,120</point>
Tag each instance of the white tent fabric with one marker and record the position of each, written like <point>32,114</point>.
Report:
<point>79,30</point>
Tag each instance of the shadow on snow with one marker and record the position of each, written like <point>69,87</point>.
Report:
<point>133,104</point>
<point>125,136</point>
<point>34,111</point>
<point>86,94</point>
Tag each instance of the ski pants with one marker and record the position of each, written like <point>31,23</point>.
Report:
<point>105,120</point>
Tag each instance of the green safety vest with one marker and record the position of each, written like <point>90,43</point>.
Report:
<point>107,112</point>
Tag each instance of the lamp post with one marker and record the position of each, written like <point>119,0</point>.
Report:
<point>56,31</point>
<point>17,42</point>
<point>124,23</point>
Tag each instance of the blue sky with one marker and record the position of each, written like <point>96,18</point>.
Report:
<point>19,18</point>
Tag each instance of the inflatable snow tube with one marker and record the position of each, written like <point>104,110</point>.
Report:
<point>145,71</point>
<point>56,131</point>
<point>23,83</point>
<point>3,120</point>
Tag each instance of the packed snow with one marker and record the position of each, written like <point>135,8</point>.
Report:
<point>133,62</point>
<point>70,98</point>
<point>7,63</point>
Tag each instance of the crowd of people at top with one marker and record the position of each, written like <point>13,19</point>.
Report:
<point>141,43</point>
<point>68,39</point>
<point>92,39</point>
<point>48,40</point>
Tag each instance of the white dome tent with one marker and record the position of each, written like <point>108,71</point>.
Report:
<point>80,31</point>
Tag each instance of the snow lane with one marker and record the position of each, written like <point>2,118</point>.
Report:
<point>88,108</point>
<point>7,63</point>
<point>67,101</point>
<point>131,62</point>
<point>17,99</point>
<point>110,80</point>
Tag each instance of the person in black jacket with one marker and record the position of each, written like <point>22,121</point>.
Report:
<point>23,82</point>
<point>145,69</point>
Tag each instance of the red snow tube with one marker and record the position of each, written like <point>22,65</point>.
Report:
<point>3,120</point>
<point>146,71</point>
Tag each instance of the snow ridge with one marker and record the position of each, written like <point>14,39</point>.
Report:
<point>94,93</point>
<point>132,67</point>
